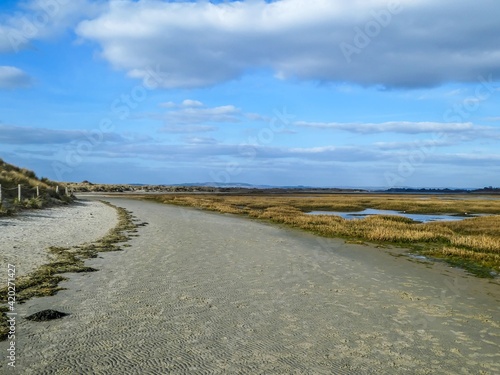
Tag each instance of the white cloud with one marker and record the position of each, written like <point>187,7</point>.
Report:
<point>474,159</point>
<point>12,78</point>
<point>43,19</point>
<point>192,103</point>
<point>193,116</point>
<point>208,150</point>
<point>179,129</point>
<point>23,135</point>
<point>197,44</point>
<point>200,140</point>
<point>429,144</point>
<point>168,105</point>
<point>402,127</point>
<point>196,115</point>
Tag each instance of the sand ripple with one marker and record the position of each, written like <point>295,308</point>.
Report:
<point>200,293</point>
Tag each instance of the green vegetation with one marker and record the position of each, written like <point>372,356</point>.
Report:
<point>473,244</point>
<point>12,176</point>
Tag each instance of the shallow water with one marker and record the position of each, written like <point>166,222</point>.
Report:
<point>424,218</point>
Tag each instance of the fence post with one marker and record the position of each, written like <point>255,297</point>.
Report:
<point>57,189</point>
<point>37,191</point>
<point>66,188</point>
<point>19,192</point>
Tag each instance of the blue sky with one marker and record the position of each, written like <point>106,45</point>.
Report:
<point>288,92</point>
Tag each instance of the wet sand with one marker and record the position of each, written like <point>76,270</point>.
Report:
<point>202,293</point>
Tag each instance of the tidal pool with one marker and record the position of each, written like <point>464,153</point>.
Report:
<point>424,218</point>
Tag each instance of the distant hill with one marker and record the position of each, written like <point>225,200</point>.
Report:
<point>12,176</point>
<point>485,190</point>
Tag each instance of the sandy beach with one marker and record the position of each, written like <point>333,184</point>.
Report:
<point>202,293</point>
<point>26,236</point>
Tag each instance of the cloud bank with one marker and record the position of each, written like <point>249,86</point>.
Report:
<point>403,127</point>
<point>23,135</point>
<point>396,44</point>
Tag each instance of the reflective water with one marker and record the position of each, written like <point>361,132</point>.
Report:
<point>424,218</point>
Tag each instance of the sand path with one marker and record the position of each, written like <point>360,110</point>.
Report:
<point>25,238</point>
<point>201,293</point>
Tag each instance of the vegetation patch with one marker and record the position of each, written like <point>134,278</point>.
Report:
<point>45,280</point>
<point>4,327</point>
<point>36,192</point>
<point>473,243</point>
<point>45,315</point>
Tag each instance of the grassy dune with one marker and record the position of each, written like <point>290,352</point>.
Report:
<point>473,243</point>
<point>11,176</point>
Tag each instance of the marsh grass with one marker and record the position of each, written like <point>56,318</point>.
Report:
<point>473,243</point>
<point>45,280</point>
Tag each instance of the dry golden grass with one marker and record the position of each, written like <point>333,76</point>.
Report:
<point>11,176</point>
<point>473,243</point>
<point>469,254</point>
